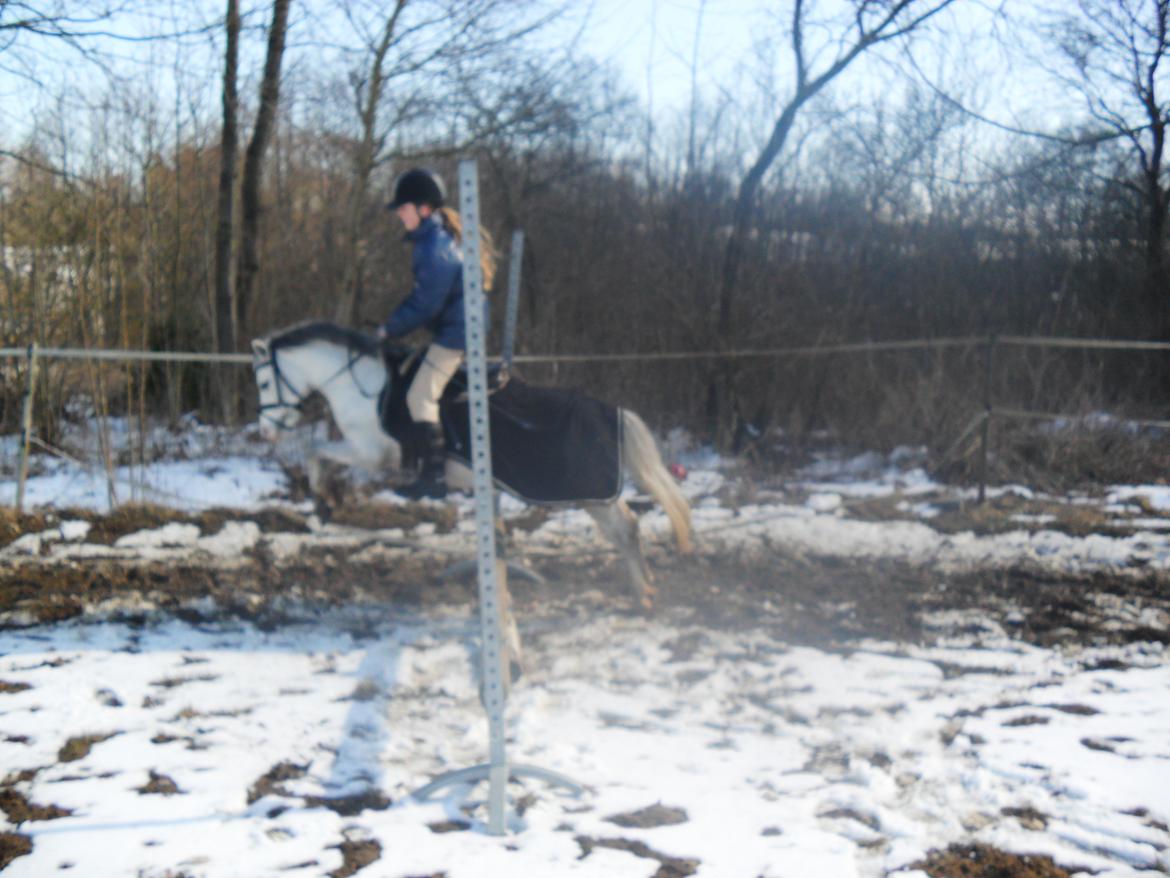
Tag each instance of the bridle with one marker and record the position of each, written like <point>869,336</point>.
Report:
<point>298,398</point>
<point>282,384</point>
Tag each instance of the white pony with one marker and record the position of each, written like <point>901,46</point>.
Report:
<point>346,367</point>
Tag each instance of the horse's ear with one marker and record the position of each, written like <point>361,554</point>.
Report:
<point>260,347</point>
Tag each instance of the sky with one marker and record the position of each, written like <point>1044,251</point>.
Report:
<point>653,43</point>
<point>650,42</point>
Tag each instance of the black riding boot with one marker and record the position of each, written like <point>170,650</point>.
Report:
<point>432,481</point>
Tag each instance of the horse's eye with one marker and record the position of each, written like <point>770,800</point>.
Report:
<point>263,385</point>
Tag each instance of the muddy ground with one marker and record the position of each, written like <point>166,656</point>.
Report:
<point>824,602</point>
<point>802,599</point>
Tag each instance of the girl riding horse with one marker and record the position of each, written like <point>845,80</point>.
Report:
<point>436,304</point>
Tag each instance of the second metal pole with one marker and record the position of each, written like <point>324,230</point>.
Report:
<point>514,261</point>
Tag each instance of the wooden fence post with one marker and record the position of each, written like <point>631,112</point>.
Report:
<point>26,417</point>
<point>988,408</point>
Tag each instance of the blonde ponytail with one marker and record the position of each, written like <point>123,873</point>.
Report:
<point>453,223</point>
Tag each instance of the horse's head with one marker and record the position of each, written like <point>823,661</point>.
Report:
<point>281,403</point>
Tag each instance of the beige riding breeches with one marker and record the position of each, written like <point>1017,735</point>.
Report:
<point>438,365</point>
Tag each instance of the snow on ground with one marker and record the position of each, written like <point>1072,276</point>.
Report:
<point>729,754</point>
<point>779,761</point>
<point>819,524</point>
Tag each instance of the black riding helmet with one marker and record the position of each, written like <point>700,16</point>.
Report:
<point>418,186</point>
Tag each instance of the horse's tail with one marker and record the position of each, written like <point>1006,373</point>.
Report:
<point>643,462</point>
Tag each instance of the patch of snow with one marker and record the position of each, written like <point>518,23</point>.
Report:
<point>1156,496</point>
<point>782,760</point>
<point>173,534</point>
<point>73,531</point>
<point>824,502</point>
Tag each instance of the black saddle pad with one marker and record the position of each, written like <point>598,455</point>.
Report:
<point>549,445</point>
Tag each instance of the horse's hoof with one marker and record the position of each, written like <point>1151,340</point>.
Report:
<point>515,671</point>
<point>646,598</point>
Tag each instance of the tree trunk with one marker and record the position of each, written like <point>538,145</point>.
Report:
<point>224,331</point>
<point>225,336</point>
<point>249,263</point>
<point>720,392</point>
<point>1156,280</point>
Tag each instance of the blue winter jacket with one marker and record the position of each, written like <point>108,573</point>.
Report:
<point>436,300</point>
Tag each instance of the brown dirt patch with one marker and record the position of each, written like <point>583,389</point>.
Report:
<point>530,520</point>
<point>108,527</point>
<point>352,805</point>
<point>43,593</point>
<point>159,785</point>
<point>78,747</point>
<point>270,782</point>
<point>1028,816</point>
<point>356,855</point>
<point>982,861</point>
<point>13,845</point>
<point>671,867</point>
<point>807,600</point>
<point>14,524</point>
<point>382,516</point>
<point>131,518</point>
<point>20,810</point>
<point>7,688</point>
<point>801,599</point>
<point>1011,512</point>
<point>650,817</point>
<point>1008,512</point>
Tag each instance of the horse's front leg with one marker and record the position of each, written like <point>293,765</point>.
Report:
<point>374,459</point>
<point>338,452</point>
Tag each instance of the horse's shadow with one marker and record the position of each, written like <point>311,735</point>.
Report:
<point>356,778</point>
<point>357,767</point>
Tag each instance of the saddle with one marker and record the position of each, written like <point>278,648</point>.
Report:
<point>549,445</point>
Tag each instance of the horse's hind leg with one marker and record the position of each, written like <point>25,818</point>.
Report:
<point>620,527</point>
<point>513,657</point>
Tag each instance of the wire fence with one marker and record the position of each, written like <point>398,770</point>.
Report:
<point>989,410</point>
<point>794,351</point>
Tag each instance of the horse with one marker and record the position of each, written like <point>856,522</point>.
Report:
<point>347,368</point>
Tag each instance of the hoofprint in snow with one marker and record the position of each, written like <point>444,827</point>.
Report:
<point>219,749</point>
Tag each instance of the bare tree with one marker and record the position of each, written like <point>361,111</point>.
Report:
<point>225,339</point>
<point>250,207</point>
<point>70,21</point>
<point>1119,52</point>
<point>369,92</point>
<point>872,23</point>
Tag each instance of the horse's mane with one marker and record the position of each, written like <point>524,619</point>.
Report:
<point>343,336</point>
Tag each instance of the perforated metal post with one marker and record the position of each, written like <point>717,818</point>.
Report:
<point>513,297</point>
<point>481,466</point>
<point>497,770</point>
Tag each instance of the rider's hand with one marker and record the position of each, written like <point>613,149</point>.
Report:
<point>381,333</point>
